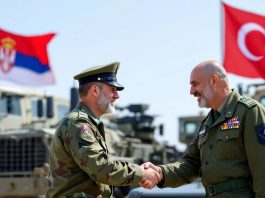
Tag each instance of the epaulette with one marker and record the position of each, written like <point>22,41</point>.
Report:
<point>82,115</point>
<point>248,102</point>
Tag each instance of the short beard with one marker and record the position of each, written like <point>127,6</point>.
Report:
<point>202,103</point>
<point>110,109</point>
<point>102,103</point>
<point>206,97</point>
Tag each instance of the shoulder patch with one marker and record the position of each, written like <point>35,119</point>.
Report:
<point>82,115</point>
<point>248,102</point>
<point>260,132</point>
<point>86,133</point>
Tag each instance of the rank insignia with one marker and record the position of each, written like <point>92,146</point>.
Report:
<point>260,132</point>
<point>232,123</point>
<point>229,113</point>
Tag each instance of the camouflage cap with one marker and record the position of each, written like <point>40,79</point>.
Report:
<point>102,73</point>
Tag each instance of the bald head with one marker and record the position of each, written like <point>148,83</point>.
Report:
<point>211,67</point>
<point>209,83</point>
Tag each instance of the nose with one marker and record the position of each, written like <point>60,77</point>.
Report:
<point>192,90</point>
<point>116,94</point>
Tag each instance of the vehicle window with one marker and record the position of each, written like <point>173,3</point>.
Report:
<point>15,106</point>
<point>3,106</point>
<point>34,108</point>
<point>190,127</point>
<point>10,105</point>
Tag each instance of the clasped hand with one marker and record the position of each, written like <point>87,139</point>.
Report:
<point>152,175</point>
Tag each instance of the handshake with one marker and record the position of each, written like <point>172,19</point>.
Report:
<point>152,175</point>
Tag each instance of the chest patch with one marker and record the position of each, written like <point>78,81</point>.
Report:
<point>232,123</point>
<point>260,132</point>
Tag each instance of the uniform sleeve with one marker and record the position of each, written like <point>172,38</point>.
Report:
<point>94,160</point>
<point>185,170</point>
<point>254,138</point>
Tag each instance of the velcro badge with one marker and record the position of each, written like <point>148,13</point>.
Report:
<point>86,132</point>
<point>260,132</point>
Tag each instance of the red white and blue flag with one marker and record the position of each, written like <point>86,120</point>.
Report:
<point>24,59</point>
<point>244,42</point>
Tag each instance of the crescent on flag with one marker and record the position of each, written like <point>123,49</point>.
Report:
<point>241,39</point>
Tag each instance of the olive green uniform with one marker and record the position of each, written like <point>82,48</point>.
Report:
<point>228,148</point>
<point>79,162</point>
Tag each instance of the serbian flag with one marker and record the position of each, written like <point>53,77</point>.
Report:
<point>24,59</point>
<point>244,43</point>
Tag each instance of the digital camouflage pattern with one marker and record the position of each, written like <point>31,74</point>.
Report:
<point>79,162</point>
<point>230,147</point>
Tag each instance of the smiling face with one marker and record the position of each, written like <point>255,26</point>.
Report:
<point>201,88</point>
<point>107,97</point>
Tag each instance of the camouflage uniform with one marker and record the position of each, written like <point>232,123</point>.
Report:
<point>228,153</point>
<point>79,162</point>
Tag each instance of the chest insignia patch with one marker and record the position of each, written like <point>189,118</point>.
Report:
<point>260,132</point>
<point>232,123</point>
<point>86,132</point>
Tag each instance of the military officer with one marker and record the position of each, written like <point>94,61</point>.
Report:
<point>80,165</point>
<point>228,152</point>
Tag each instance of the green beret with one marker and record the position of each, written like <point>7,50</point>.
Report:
<point>102,73</point>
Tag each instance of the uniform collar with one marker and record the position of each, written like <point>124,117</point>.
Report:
<point>230,106</point>
<point>87,110</point>
<point>226,110</point>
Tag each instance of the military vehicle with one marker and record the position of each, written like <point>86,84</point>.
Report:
<point>138,132</point>
<point>27,121</point>
<point>24,109</point>
<point>23,166</point>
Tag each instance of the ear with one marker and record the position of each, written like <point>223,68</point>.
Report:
<point>214,80</point>
<point>95,90</point>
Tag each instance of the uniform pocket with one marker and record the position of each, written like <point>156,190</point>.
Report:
<point>201,145</point>
<point>227,135</point>
<point>229,144</point>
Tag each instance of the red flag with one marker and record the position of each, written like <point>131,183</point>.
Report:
<point>244,43</point>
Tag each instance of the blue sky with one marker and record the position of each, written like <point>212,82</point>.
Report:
<point>157,42</point>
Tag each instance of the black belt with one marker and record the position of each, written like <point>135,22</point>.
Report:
<point>233,184</point>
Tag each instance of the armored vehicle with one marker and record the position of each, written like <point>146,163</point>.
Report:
<point>27,121</point>
<point>24,109</point>
<point>23,166</point>
<point>139,136</point>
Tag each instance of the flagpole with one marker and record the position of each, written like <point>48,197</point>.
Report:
<point>222,31</point>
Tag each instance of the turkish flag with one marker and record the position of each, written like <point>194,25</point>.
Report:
<point>244,43</point>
